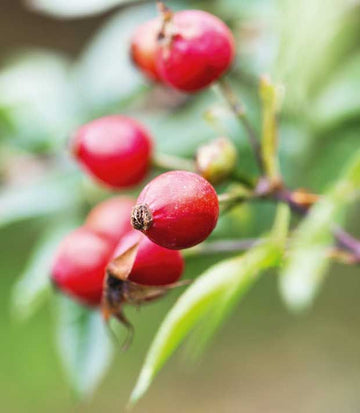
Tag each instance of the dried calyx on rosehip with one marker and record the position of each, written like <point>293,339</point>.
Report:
<point>79,266</point>
<point>139,272</point>
<point>111,218</point>
<point>115,150</point>
<point>176,210</point>
<point>216,160</point>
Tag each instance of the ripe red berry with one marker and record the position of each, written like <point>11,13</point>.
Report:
<point>80,263</point>
<point>116,150</point>
<point>144,44</point>
<point>154,265</point>
<point>111,218</point>
<point>176,210</point>
<point>197,50</point>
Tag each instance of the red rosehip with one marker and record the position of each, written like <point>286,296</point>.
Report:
<point>116,150</point>
<point>144,44</point>
<point>153,265</point>
<point>197,50</point>
<point>80,263</point>
<point>111,218</point>
<point>176,210</point>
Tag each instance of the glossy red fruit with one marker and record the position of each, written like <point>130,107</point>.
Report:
<point>144,44</point>
<point>197,50</point>
<point>116,150</point>
<point>176,210</point>
<point>80,263</point>
<point>111,218</point>
<point>154,265</point>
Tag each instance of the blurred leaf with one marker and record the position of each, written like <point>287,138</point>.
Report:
<point>171,137</point>
<point>269,94</point>
<point>326,157</point>
<point>37,94</point>
<point>270,97</point>
<point>84,346</point>
<point>55,194</point>
<point>308,257</point>
<point>340,101</point>
<point>74,8</point>
<point>105,72</point>
<point>223,284</point>
<point>33,285</point>
<point>298,23</point>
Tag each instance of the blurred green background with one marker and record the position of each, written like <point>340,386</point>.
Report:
<point>63,63</point>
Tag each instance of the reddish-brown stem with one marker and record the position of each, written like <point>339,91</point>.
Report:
<point>166,16</point>
<point>347,241</point>
<point>299,201</point>
<point>344,239</point>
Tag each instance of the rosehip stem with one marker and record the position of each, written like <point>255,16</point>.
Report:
<point>208,248</point>
<point>348,242</point>
<point>161,6</point>
<point>239,111</point>
<point>166,16</point>
<point>344,240</point>
<point>230,198</point>
<point>229,246</point>
<point>171,162</point>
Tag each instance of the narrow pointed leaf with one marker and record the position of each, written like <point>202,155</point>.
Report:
<point>34,283</point>
<point>108,54</point>
<point>41,104</point>
<point>308,257</point>
<point>48,196</point>
<point>225,283</point>
<point>84,346</point>
<point>75,8</point>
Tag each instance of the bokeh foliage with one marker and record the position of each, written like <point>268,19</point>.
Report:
<point>310,47</point>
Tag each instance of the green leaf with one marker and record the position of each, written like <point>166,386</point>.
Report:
<point>105,73</point>
<point>340,100</point>
<point>40,103</point>
<point>52,195</point>
<point>308,257</point>
<point>170,136</point>
<point>298,23</point>
<point>224,284</point>
<point>84,346</point>
<point>33,285</point>
<point>75,8</point>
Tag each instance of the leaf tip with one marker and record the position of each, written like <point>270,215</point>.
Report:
<point>140,388</point>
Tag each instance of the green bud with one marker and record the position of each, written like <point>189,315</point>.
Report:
<point>216,161</point>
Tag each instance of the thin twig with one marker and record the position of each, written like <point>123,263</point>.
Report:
<point>209,248</point>
<point>347,241</point>
<point>238,109</point>
<point>165,161</point>
<point>343,238</point>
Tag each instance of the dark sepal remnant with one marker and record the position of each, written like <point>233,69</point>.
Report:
<point>141,217</point>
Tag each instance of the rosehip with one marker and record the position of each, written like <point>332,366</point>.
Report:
<point>144,46</point>
<point>197,50</point>
<point>176,210</point>
<point>116,150</point>
<point>111,218</point>
<point>216,160</point>
<point>153,265</point>
<point>80,263</point>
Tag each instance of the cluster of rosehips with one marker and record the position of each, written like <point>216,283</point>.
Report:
<point>127,250</point>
